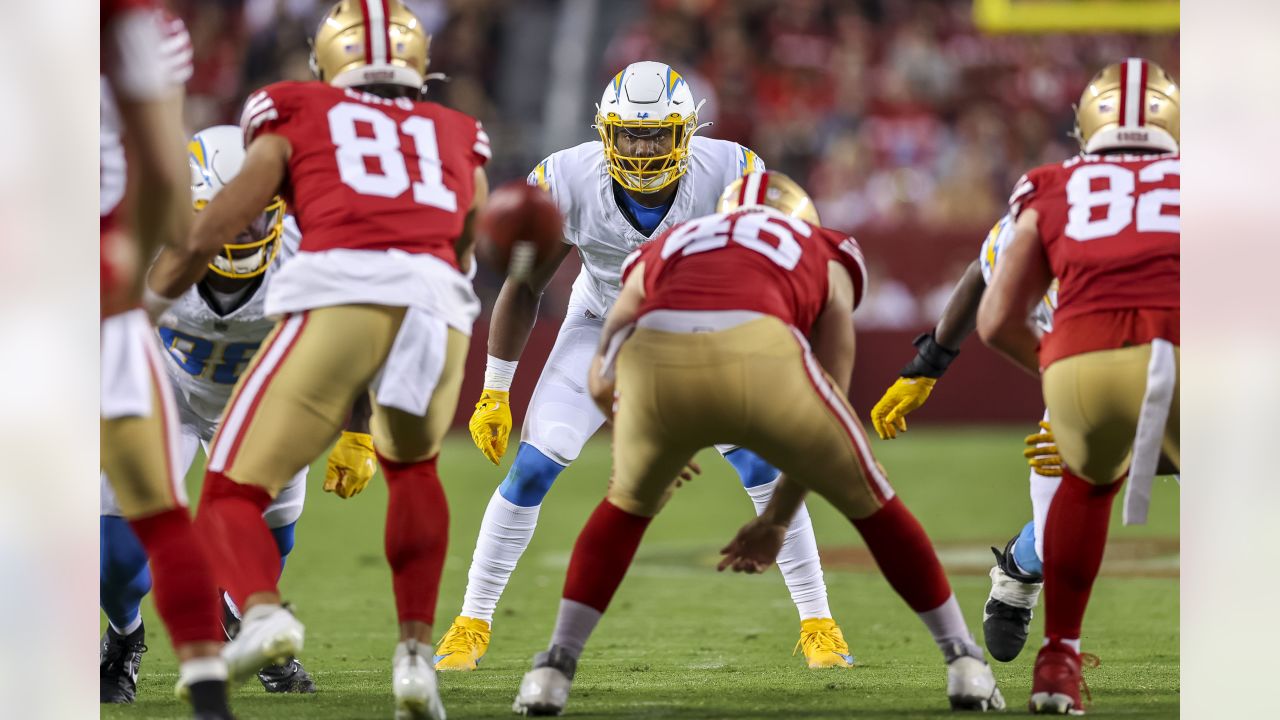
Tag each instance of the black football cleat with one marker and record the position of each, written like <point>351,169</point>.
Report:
<point>290,677</point>
<point>1006,618</point>
<point>118,665</point>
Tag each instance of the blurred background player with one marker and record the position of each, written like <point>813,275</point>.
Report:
<point>715,314</point>
<point>1106,224</point>
<point>1017,577</point>
<point>647,172</point>
<point>385,188</point>
<point>210,334</point>
<point>145,203</point>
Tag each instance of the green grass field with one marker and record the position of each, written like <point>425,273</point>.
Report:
<point>682,641</point>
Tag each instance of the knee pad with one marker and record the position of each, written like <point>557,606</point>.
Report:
<point>530,478</point>
<point>752,469</point>
<point>123,576</point>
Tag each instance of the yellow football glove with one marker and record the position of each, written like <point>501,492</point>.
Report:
<point>1042,452</point>
<point>889,416</point>
<point>490,424</point>
<point>351,465</point>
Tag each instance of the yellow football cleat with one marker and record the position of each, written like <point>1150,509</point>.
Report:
<point>462,647</point>
<point>823,644</point>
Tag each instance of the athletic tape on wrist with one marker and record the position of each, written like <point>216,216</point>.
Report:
<point>499,373</point>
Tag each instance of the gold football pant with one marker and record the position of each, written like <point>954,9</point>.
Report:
<point>755,385</point>
<point>292,401</point>
<point>1096,400</point>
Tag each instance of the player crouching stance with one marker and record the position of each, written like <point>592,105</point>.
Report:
<point>1106,224</point>
<point>384,187</point>
<point>709,342</point>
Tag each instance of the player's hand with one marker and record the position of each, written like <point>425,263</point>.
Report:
<point>1042,452</point>
<point>351,465</point>
<point>754,548</point>
<point>687,474</point>
<point>490,424</point>
<point>889,416</point>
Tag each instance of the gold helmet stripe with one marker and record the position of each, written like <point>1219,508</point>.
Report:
<point>1133,86</point>
<point>377,39</point>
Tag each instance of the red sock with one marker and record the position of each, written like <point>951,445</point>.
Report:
<point>183,587</point>
<point>1075,535</point>
<point>417,536</point>
<point>241,549</point>
<point>905,556</point>
<point>602,555</point>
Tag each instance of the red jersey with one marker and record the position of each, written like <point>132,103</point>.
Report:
<point>369,173</point>
<point>751,259</point>
<point>1110,225</point>
<point>145,55</point>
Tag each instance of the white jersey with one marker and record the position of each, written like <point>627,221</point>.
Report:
<point>993,247</point>
<point>579,182</point>
<point>207,351</point>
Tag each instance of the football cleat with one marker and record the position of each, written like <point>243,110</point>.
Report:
<point>118,665</point>
<point>269,635</point>
<point>1006,618</point>
<point>289,677</point>
<point>413,682</point>
<point>544,690</point>
<point>823,644</point>
<point>1055,687</point>
<point>971,686</point>
<point>463,645</point>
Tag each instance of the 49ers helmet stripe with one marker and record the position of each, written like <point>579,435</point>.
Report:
<point>1133,83</point>
<point>377,39</point>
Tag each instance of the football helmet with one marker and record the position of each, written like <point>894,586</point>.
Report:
<point>769,188</point>
<point>215,155</point>
<point>370,42</point>
<point>647,99</point>
<point>1129,104</point>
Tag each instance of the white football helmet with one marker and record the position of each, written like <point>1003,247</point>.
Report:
<point>215,155</point>
<point>647,98</point>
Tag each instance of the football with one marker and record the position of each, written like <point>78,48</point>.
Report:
<point>519,228</point>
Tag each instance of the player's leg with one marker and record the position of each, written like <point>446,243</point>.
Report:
<point>1018,576</point>
<point>140,457</point>
<point>417,529</point>
<point>648,455</point>
<point>821,639</point>
<point>1097,400</point>
<point>286,409</point>
<point>812,434</point>
<point>560,419</point>
<point>123,580</point>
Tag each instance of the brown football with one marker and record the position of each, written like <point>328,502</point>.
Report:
<point>519,228</point>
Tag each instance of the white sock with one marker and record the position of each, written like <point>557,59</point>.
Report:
<point>504,534</point>
<point>798,560</point>
<point>1043,488</point>
<point>574,624</point>
<point>202,669</point>
<point>1073,643</point>
<point>128,629</point>
<point>946,624</point>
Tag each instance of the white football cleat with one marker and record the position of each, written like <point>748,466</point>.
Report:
<point>413,682</point>
<point>544,690</point>
<point>269,635</point>
<point>971,685</point>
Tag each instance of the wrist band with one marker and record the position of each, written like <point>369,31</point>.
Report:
<point>931,359</point>
<point>498,373</point>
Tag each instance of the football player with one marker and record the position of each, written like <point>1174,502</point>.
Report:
<point>209,335</point>
<point>146,56</point>
<point>1017,577</point>
<point>647,172</point>
<point>714,316</point>
<point>384,188</point>
<point>1106,224</point>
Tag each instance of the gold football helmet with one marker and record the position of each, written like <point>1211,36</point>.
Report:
<point>369,43</point>
<point>769,188</point>
<point>1129,104</point>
